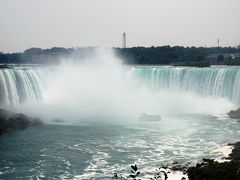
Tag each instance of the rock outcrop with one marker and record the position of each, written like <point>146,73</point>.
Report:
<point>234,114</point>
<point>10,121</point>
<point>235,155</point>
<point>213,170</point>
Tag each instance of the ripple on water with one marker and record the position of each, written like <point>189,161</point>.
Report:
<point>93,154</point>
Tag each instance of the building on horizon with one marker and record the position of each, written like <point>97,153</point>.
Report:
<point>124,40</point>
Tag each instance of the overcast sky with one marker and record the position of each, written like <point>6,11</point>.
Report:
<point>77,23</point>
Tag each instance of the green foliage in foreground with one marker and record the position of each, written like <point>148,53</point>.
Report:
<point>207,170</point>
<point>160,174</point>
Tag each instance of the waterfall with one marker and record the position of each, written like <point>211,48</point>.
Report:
<point>214,81</point>
<point>20,85</point>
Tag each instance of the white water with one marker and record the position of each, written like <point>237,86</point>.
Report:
<point>102,87</point>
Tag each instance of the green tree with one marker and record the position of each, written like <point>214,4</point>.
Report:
<point>220,58</point>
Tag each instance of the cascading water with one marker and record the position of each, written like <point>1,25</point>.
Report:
<point>22,85</point>
<point>213,81</point>
<point>94,150</point>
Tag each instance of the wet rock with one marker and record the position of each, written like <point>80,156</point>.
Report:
<point>208,161</point>
<point>10,121</point>
<point>234,114</point>
<point>235,155</point>
<point>215,171</point>
<point>178,168</point>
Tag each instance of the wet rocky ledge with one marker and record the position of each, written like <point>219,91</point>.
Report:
<point>10,121</point>
<point>209,169</point>
<point>234,114</point>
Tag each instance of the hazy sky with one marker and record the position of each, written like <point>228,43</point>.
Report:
<point>72,23</point>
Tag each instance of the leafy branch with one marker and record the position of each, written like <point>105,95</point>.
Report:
<point>135,172</point>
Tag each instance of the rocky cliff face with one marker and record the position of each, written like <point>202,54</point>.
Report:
<point>10,121</point>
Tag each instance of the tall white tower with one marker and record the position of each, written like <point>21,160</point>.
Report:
<point>124,40</point>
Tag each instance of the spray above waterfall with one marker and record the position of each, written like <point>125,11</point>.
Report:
<point>103,87</point>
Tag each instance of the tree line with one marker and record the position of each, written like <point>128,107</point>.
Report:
<point>161,55</point>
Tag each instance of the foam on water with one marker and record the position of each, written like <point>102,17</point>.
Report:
<point>94,151</point>
<point>101,89</point>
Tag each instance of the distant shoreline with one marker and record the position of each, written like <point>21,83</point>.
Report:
<point>10,65</point>
<point>160,55</point>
